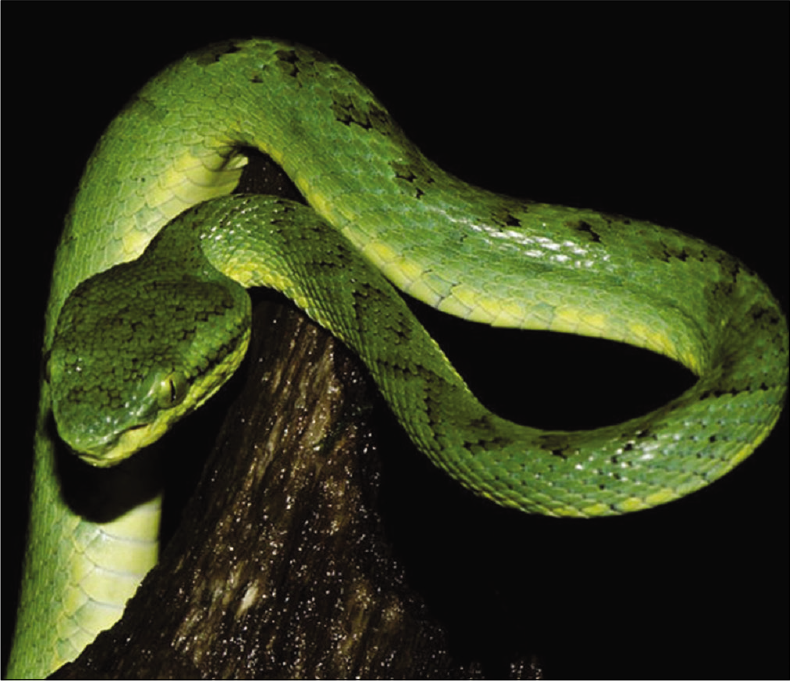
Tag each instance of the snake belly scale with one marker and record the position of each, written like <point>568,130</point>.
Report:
<point>379,213</point>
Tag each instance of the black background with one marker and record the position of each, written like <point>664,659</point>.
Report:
<point>648,112</point>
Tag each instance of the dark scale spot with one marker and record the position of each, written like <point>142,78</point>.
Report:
<point>766,317</point>
<point>403,172</point>
<point>415,174</point>
<point>615,218</point>
<point>715,392</point>
<point>368,116</point>
<point>487,440</point>
<point>214,52</point>
<point>732,266</point>
<point>504,218</point>
<point>486,445</point>
<point>557,445</point>
<point>288,61</point>
<point>671,253</point>
<point>378,119</point>
<point>722,289</point>
<point>584,227</point>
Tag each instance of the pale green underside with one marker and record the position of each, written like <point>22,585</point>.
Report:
<point>463,250</point>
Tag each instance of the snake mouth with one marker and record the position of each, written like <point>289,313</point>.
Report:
<point>121,448</point>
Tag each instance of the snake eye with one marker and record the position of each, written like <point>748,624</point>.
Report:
<point>171,390</point>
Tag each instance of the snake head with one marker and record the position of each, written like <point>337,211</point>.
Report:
<point>138,347</point>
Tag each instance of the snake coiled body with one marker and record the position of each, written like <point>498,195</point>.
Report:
<point>466,251</point>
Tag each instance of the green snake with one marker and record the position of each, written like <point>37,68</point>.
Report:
<point>144,323</point>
